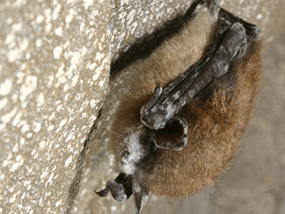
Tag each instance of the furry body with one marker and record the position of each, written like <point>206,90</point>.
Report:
<point>215,118</point>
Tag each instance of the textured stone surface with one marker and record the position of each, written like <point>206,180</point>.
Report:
<point>54,63</point>
<point>132,19</point>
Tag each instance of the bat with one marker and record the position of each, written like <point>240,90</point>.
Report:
<point>193,86</point>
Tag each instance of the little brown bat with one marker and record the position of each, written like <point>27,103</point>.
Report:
<point>188,105</point>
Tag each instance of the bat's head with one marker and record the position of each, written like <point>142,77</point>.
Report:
<point>139,155</point>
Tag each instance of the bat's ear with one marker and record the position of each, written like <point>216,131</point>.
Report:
<point>140,194</point>
<point>173,135</point>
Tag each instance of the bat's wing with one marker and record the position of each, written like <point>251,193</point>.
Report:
<point>231,38</point>
<point>252,31</point>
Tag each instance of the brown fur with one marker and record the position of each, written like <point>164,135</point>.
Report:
<point>215,127</point>
<point>213,138</point>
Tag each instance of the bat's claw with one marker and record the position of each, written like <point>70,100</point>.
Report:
<point>123,187</point>
<point>120,188</point>
<point>102,193</point>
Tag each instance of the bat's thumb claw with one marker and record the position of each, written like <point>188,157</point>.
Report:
<point>102,193</point>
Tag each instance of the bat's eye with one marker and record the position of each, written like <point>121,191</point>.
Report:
<point>173,135</point>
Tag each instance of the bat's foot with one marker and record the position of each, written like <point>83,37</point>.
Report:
<point>123,187</point>
<point>120,188</point>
